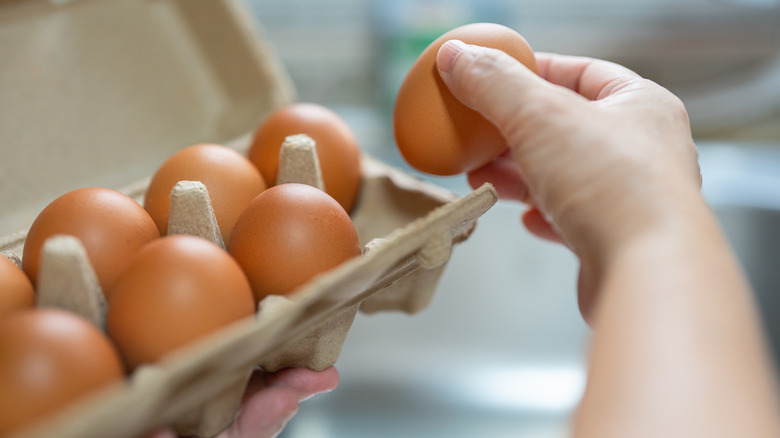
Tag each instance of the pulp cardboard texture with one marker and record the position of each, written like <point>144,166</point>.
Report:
<point>100,93</point>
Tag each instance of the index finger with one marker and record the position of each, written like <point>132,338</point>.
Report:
<point>592,78</point>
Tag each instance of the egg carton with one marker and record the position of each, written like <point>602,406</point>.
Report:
<point>198,388</point>
<point>408,227</point>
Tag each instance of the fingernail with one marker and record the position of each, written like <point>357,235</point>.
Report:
<point>447,53</point>
<point>309,396</point>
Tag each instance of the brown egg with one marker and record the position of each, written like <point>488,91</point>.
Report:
<point>230,178</point>
<point>50,358</point>
<point>337,148</point>
<point>288,234</point>
<point>436,133</point>
<point>176,290</point>
<point>111,226</point>
<point>16,290</point>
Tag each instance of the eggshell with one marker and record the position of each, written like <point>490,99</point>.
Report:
<point>176,290</point>
<point>49,358</point>
<point>16,290</point>
<point>337,147</point>
<point>230,178</point>
<point>290,233</point>
<point>111,226</point>
<point>434,132</point>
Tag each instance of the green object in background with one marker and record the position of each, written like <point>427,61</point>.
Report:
<point>406,27</point>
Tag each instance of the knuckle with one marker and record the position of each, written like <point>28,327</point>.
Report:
<point>680,112</point>
<point>479,70</point>
<point>535,113</point>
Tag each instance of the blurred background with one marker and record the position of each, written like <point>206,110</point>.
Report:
<point>720,56</point>
<point>501,352</point>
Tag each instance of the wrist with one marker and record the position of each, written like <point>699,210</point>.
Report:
<point>672,212</point>
<point>677,231</point>
<point>670,208</point>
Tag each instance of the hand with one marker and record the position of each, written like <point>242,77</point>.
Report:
<point>606,162</point>
<point>596,151</point>
<point>271,400</point>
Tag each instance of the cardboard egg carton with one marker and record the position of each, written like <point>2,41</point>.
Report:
<point>197,390</point>
<point>408,227</point>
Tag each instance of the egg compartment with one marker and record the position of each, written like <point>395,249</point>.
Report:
<point>403,198</point>
<point>196,387</point>
<point>314,338</point>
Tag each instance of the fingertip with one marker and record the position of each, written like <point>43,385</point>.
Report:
<point>536,224</point>
<point>476,179</point>
<point>447,53</point>
<point>305,382</point>
<point>267,412</point>
<point>504,174</point>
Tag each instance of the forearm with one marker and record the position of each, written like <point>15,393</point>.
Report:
<point>677,349</point>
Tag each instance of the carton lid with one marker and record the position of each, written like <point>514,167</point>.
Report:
<point>99,93</point>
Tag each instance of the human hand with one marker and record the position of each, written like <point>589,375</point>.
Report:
<point>271,400</point>
<point>606,162</point>
<point>599,153</point>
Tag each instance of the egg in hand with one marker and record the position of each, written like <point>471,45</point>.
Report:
<point>434,131</point>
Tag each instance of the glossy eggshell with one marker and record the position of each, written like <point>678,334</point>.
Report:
<point>434,132</point>
<point>176,290</point>
<point>16,290</point>
<point>337,147</point>
<point>48,359</point>
<point>111,226</point>
<point>290,233</point>
<point>230,178</point>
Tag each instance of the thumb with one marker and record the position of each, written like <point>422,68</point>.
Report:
<point>504,91</point>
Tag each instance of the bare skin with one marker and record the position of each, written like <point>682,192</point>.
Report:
<point>607,165</point>
<point>270,400</point>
